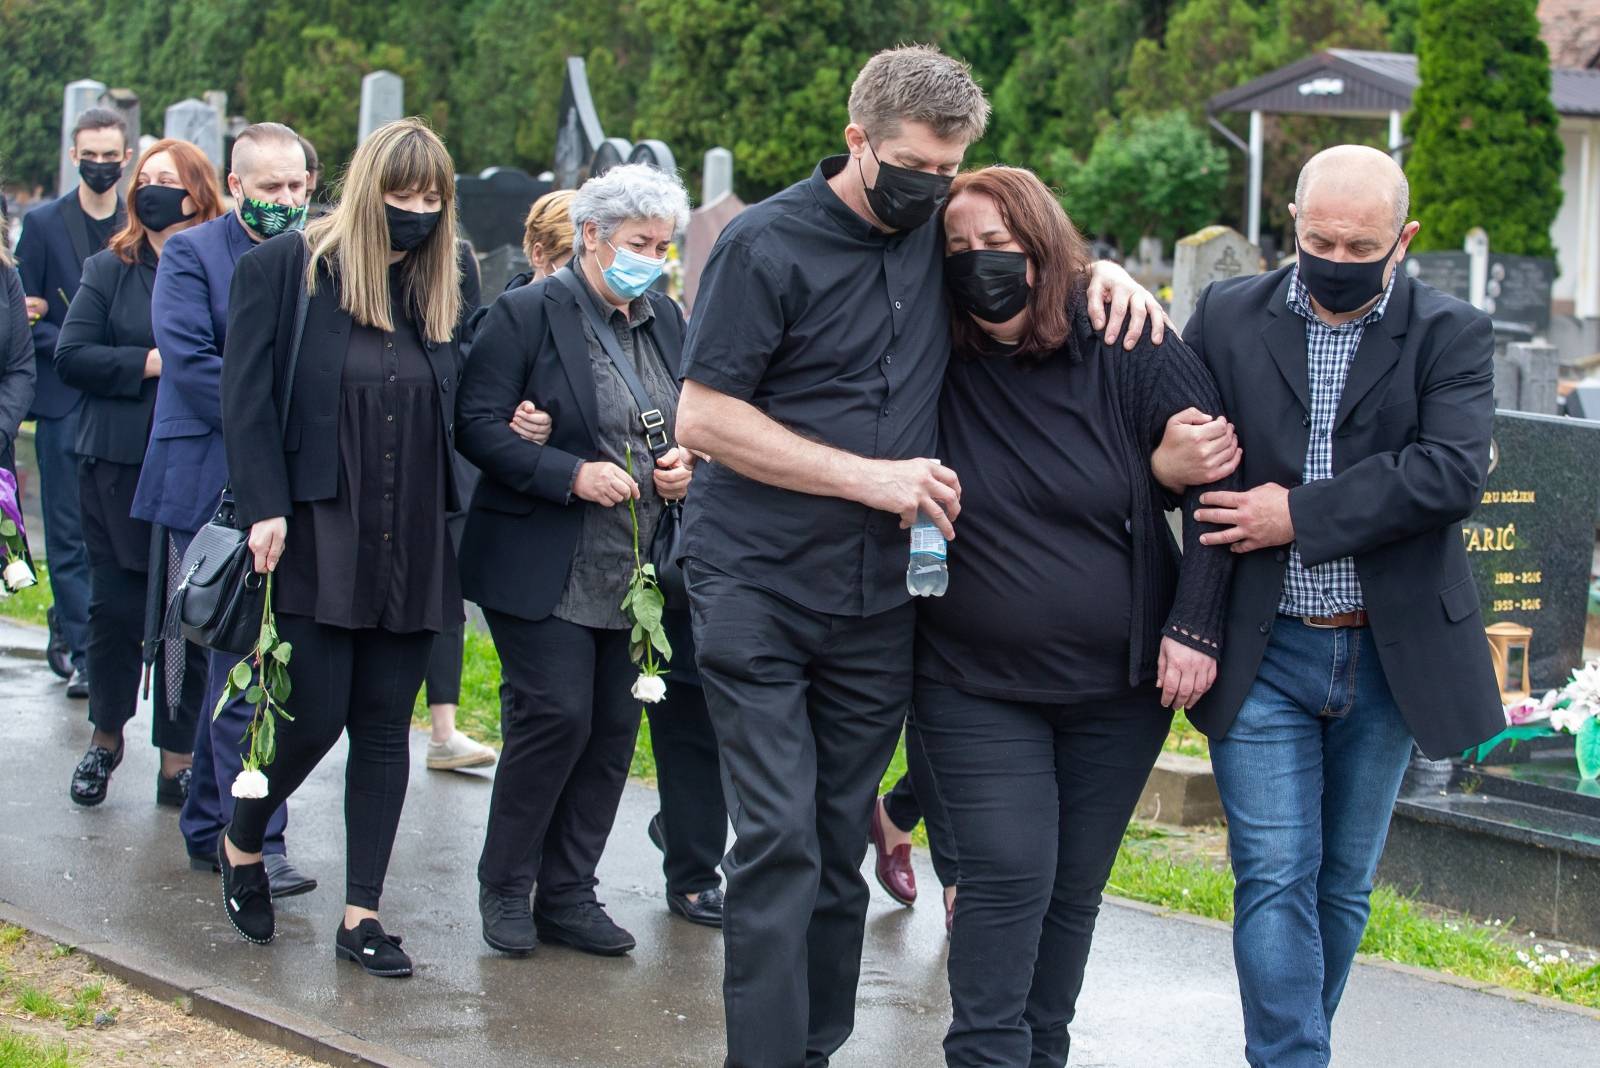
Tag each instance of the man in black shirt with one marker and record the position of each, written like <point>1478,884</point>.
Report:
<point>812,374</point>
<point>56,238</point>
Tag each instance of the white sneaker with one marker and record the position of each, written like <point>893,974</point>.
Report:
<point>458,751</point>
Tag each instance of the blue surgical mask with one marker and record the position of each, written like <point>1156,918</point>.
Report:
<point>630,274</point>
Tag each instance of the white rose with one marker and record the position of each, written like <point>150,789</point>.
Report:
<point>250,783</point>
<point>18,575</point>
<point>649,688</point>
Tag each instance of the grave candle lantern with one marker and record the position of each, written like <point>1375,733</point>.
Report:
<point>1509,642</point>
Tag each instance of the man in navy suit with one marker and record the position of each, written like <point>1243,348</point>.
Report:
<point>56,238</point>
<point>184,467</point>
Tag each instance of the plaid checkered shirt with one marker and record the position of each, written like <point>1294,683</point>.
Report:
<point>1331,588</point>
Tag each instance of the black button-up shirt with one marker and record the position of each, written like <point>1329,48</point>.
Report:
<point>841,333</point>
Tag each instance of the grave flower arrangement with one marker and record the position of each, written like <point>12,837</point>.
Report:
<point>263,678</point>
<point>642,606</point>
<point>1573,709</point>
<point>17,575</point>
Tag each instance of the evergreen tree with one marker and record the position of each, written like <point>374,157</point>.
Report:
<point>1485,147</point>
<point>44,50</point>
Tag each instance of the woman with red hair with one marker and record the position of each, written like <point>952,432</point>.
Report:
<point>1047,675</point>
<point>108,350</point>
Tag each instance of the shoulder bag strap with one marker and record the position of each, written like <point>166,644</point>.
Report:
<point>651,418</point>
<point>296,335</point>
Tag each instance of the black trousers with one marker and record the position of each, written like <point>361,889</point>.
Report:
<point>807,708</point>
<point>118,547</point>
<point>914,798</point>
<point>694,815</point>
<point>569,723</point>
<point>1039,797</point>
<point>363,682</point>
<point>443,680</point>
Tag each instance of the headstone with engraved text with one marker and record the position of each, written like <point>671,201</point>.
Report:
<point>1215,253</point>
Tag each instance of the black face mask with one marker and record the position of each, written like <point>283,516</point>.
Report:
<point>904,199</point>
<point>160,206</point>
<point>1342,287</point>
<point>988,283</point>
<point>99,176</point>
<point>409,229</point>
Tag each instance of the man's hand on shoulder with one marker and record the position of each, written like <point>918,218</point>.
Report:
<point>1114,297</point>
<point>1256,519</point>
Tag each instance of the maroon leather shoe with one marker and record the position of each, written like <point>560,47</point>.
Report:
<point>893,868</point>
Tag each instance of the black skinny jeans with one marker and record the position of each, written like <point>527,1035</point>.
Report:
<point>118,548</point>
<point>360,681</point>
<point>914,799</point>
<point>1039,797</point>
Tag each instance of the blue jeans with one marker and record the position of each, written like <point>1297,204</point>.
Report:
<point>218,759</point>
<point>54,442</point>
<point>1308,773</point>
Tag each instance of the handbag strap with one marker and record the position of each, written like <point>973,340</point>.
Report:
<point>297,333</point>
<point>651,419</point>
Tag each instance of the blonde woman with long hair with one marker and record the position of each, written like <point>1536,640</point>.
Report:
<point>345,499</point>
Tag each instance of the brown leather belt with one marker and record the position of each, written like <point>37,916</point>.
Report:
<point>1358,618</point>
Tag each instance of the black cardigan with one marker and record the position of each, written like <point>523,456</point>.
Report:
<point>101,351</point>
<point>268,468</point>
<point>17,370</point>
<point>1181,597</point>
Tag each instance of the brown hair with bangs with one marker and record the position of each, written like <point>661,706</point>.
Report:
<point>199,180</point>
<point>1053,245</point>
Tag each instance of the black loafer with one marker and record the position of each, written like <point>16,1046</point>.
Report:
<point>377,952</point>
<point>584,927</point>
<point>78,685</point>
<point>247,898</point>
<point>93,774</point>
<point>286,880</point>
<point>705,909</point>
<point>173,792</point>
<point>507,922</point>
<point>657,837</point>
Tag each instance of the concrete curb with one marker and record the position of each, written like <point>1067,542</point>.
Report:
<point>245,1013</point>
<point>1426,974</point>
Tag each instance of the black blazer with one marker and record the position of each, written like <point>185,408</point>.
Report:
<point>51,252</point>
<point>101,351</point>
<point>1410,457</point>
<point>523,524</point>
<point>270,469</point>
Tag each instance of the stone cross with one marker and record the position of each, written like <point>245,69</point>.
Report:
<point>717,175</point>
<point>1212,254</point>
<point>197,122</point>
<point>79,97</point>
<point>383,100</point>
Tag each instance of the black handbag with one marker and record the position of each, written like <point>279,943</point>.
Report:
<point>665,543</point>
<point>219,603</point>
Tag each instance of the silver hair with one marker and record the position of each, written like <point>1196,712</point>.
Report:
<point>1400,195</point>
<point>625,193</point>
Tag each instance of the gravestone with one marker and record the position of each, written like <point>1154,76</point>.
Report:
<point>716,175</point>
<point>497,267</point>
<point>78,97</point>
<point>125,102</point>
<point>1531,540</point>
<point>706,224</point>
<point>1515,289</point>
<point>609,153</point>
<point>493,206</point>
<point>1212,254</point>
<point>1526,376</point>
<point>383,100</point>
<point>197,122</point>
<point>1448,272</point>
<point>655,154</point>
<point>578,132</point>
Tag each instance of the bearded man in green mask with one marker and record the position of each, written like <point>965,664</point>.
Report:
<point>182,482</point>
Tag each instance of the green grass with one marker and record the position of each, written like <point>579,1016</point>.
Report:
<point>1400,930</point>
<point>24,1051</point>
<point>31,604</point>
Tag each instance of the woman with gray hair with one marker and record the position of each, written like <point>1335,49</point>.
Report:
<point>548,549</point>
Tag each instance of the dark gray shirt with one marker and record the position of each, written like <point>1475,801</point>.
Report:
<point>604,559</point>
<point>840,332</point>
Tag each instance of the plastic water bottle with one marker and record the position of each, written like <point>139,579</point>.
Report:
<point>928,570</point>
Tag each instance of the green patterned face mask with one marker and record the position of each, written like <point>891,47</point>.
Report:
<point>270,220</point>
